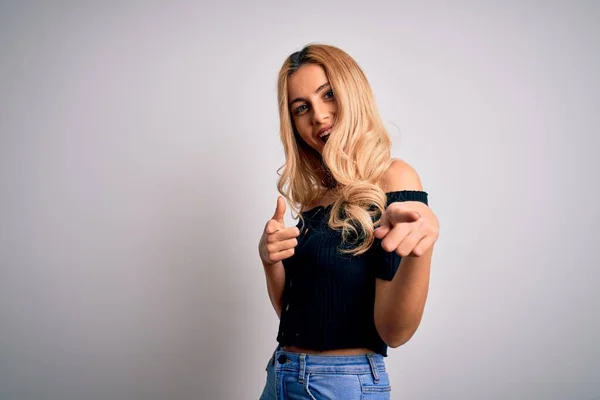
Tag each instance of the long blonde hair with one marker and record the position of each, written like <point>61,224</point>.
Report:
<point>356,155</point>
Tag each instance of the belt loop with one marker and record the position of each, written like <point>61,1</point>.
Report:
<point>373,367</point>
<point>302,367</point>
<point>273,355</point>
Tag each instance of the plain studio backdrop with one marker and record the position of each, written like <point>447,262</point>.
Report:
<point>138,154</point>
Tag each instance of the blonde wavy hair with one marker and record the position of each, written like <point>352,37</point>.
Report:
<point>354,158</point>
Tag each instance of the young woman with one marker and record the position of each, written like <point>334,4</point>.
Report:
<point>351,278</point>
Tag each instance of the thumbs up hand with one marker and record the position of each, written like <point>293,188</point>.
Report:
<point>408,228</point>
<point>277,242</point>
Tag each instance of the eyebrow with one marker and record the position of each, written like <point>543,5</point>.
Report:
<point>323,86</point>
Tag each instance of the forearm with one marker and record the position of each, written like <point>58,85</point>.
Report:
<point>399,309</point>
<point>275,276</point>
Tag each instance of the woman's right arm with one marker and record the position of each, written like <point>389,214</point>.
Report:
<point>275,275</point>
<point>277,243</point>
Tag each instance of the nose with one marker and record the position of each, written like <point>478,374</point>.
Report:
<point>320,114</point>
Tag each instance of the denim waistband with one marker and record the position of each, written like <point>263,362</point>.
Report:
<point>309,363</point>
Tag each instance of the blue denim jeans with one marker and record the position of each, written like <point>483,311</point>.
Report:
<point>306,376</point>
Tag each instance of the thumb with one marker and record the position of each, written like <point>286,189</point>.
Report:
<point>280,210</point>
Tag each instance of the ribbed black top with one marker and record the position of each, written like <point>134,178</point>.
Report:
<point>329,298</point>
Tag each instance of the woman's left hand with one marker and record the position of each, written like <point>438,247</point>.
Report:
<point>409,228</point>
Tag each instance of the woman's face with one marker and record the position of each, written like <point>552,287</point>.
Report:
<point>312,104</point>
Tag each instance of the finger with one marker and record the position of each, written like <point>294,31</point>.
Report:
<point>282,255</point>
<point>384,227</point>
<point>396,235</point>
<point>279,210</point>
<point>281,246</point>
<point>398,216</point>
<point>423,246</point>
<point>401,212</point>
<point>393,215</point>
<point>407,245</point>
<point>283,233</point>
<point>272,226</point>
<point>381,231</point>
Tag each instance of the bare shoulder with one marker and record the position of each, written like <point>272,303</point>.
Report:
<point>400,176</point>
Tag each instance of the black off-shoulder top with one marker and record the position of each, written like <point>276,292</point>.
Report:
<point>329,297</point>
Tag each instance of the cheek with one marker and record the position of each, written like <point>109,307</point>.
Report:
<point>302,126</point>
<point>334,107</point>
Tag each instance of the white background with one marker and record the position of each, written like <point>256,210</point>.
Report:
<point>138,150</point>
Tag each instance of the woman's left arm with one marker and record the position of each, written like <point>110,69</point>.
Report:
<point>409,228</point>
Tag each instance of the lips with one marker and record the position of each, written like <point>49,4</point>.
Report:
<point>323,133</point>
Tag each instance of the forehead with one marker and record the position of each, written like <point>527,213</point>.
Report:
<point>305,81</point>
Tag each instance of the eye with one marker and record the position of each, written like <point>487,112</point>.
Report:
<point>329,94</point>
<point>300,109</point>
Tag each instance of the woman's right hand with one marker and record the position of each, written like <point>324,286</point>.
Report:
<point>277,242</point>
